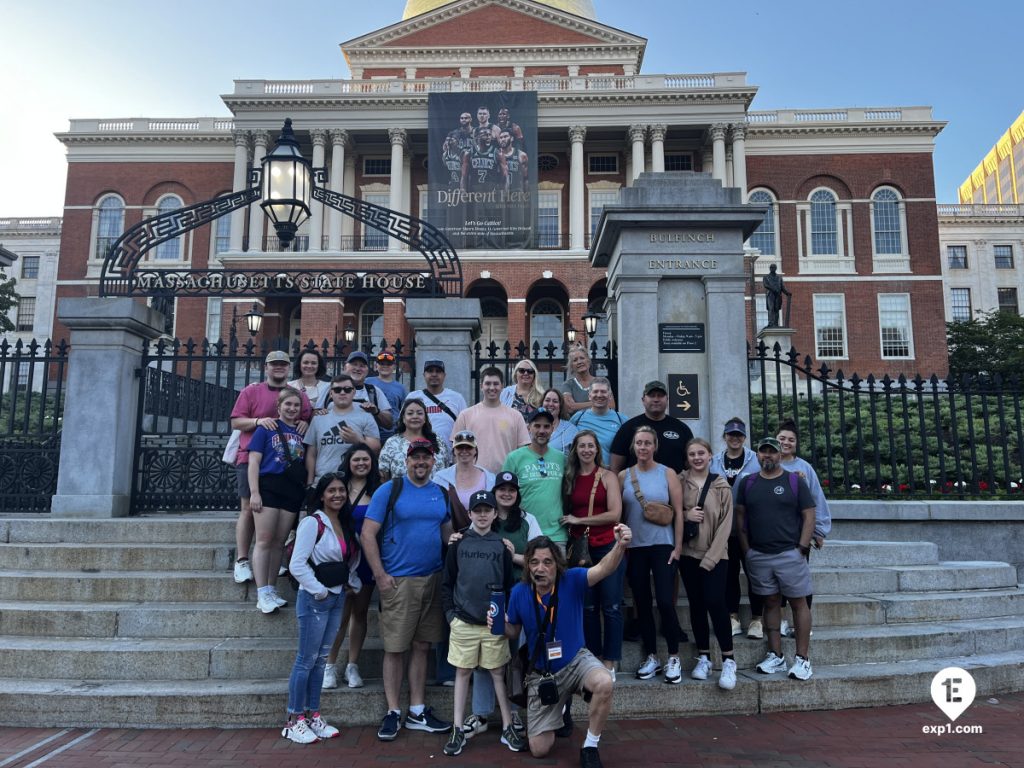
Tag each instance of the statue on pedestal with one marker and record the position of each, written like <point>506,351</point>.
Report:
<point>773,292</point>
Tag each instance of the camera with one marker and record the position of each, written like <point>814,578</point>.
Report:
<point>547,689</point>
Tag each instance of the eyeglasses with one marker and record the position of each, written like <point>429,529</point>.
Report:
<point>543,467</point>
<point>343,390</point>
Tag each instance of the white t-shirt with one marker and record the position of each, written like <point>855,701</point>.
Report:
<point>440,421</point>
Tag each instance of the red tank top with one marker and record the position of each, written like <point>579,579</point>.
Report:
<point>579,502</point>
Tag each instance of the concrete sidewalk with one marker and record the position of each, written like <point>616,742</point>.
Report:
<point>852,738</point>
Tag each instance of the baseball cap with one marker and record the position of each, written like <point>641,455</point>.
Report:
<point>482,497</point>
<point>735,426</point>
<point>419,444</point>
<point>650,386</point>
<point>506,478</point>
<point>433,364</point>
<point>278,356</point>
<point>357,355</point>
<point>542,412</point>
<point>771,442</point>
<point>465,437</point>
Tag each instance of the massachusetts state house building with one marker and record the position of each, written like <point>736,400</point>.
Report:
<point>852,221</point>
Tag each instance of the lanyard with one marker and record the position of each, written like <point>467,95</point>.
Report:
<point>550,617</point>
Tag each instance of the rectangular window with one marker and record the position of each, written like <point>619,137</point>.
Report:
<point>894,322</point>
<point>603,163</point>
<point>960,304</point>
<point>30,267</point>
<point>679,161</point>
<point>1004,256</point>
<point>374,239</point>
<point>549,219</point>
<point>1008,300</point>
<point>376,166</point>
<point>214,307</point>
<point>957,256</point>
<point>222,241</point>
<point>830,325</point>
<point>22,374</point>
<point>598,200</point>
<point>760,311</point>
<point>26,313</point>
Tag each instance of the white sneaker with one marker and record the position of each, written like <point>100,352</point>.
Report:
<point>242,572</point>
<point>300,732</point>
<point>330,676</point>
<point>353,677</point>
<point>474,725</point>
<point>267,604</point>
<point>282,570</point>
<point>702,670</point>
<point>649,668</point>
<point>281,602</point>
<point>319,726</point>
<point>727,680</point>
<point>673,671</point>
<point>772,663</point>
<point>801,669</point>
<point>737,628</point>
<point>755,630</point>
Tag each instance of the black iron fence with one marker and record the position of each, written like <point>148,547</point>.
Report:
<point>31,409</point>
<point>881,437</point>
<point>549,359</point>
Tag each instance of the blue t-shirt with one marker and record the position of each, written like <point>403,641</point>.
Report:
<point>604,427</point>
<point>396,393</point>
<point>572,588</point>
<point>268,443</point>
<point>411,540</point>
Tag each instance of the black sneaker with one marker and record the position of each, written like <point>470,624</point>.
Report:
<point>567,725</point>
<point>426,722</point>
<point>590,758</point>
<point>389,726</point>
<point>456,741</point>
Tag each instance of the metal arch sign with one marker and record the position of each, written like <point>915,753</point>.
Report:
<point>277,282</point>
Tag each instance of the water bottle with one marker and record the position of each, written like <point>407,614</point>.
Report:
<point>496,610</point>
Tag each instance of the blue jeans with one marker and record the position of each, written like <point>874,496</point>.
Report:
<point>604,599</point>
<point>318,626</point>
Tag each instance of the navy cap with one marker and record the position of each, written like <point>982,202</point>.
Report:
<point>482,498</point>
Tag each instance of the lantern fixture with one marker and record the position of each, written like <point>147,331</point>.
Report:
<point>571,334</point>
<point>287,180</point>
<point>590,323</point>
<point>254,319</point>
<point>350,333</point>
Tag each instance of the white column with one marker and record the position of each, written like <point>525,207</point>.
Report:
<point>739,159</point>
<point>256,217</point>
<point>336,183</point>
<point>728,168</point>
<point>239,181</point>
<point>718,151</point>
<point>658,148</point>
<point>316,219</point>
<point>637,134</point>
<point>398,137</point>
<point>348,224</point>
<point>577,220</point>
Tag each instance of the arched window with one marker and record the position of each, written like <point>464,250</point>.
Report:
<point>888,227</point>
<point>764,236</point>
<point>109,225</point>
<point>547,324</point>
<point>371,323</point>
<point>170,250</point>
<point>824,224</point>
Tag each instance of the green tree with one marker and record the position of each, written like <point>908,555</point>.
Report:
<point>989,344</point>
<point>8,301</point>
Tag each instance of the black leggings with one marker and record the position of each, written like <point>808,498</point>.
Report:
<point>705,590</point>
<point>732,585</point>
<point>645,562</point>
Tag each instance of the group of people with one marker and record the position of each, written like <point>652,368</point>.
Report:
<point>551,500</point>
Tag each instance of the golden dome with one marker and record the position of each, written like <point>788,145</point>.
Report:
<point>584,8</point>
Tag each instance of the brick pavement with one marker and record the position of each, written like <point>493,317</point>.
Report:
<point>852,738</point>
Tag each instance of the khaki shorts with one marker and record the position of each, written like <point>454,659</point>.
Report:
<point>472,645</point>
<point>785,573</point>
<point>541,718</point>
<point>411,611</point>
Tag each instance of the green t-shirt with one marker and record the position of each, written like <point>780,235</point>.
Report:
<point>540,486</point>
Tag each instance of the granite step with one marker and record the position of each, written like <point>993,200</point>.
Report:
<point>67,557</point>
<point>119,586</point>
<point>193,528</point>
<point>864,554</point>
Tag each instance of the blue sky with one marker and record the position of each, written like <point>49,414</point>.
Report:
<point>122,58</point>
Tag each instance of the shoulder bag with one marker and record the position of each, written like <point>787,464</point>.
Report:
<point>578,552</point>
<point>691,529</point>
<point>655,512</point>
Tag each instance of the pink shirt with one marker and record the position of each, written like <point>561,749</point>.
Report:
<point>259,401</point>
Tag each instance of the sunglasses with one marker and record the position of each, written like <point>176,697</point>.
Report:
<point>388,360</point>
<point>344,390</point>
<point>467,436</point>
<point>543,467</point>
<point>527,371</point>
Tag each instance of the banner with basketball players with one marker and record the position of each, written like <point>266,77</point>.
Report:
<point>482,168</point>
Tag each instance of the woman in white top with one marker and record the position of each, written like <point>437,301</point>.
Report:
<point>524,393</point>
<point>310,372</point>
<point>464,477</point>
<point>324,562</point>
<point>413,424</point>
<point>563,431</point>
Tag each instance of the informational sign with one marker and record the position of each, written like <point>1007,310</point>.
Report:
<point>680,337</point>
<point>482,168</point>
<point>683,396</point>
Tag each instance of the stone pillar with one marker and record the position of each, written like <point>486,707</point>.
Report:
<point>658,148</point>
<point>398,137</point>
<point>348,224</point>
<point>261,140</point>
<point>718,151</point>
<point>101,404</point>
<point>239,181</point>
<point>777,377</point>
<point>316,219</point>
<point>726,330</point>
<point>637,133</point>
<point>445,329</point>
<point>636,300</point>
<point>577,218</point>
<point>336,182</point>
<point>739,159</point>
